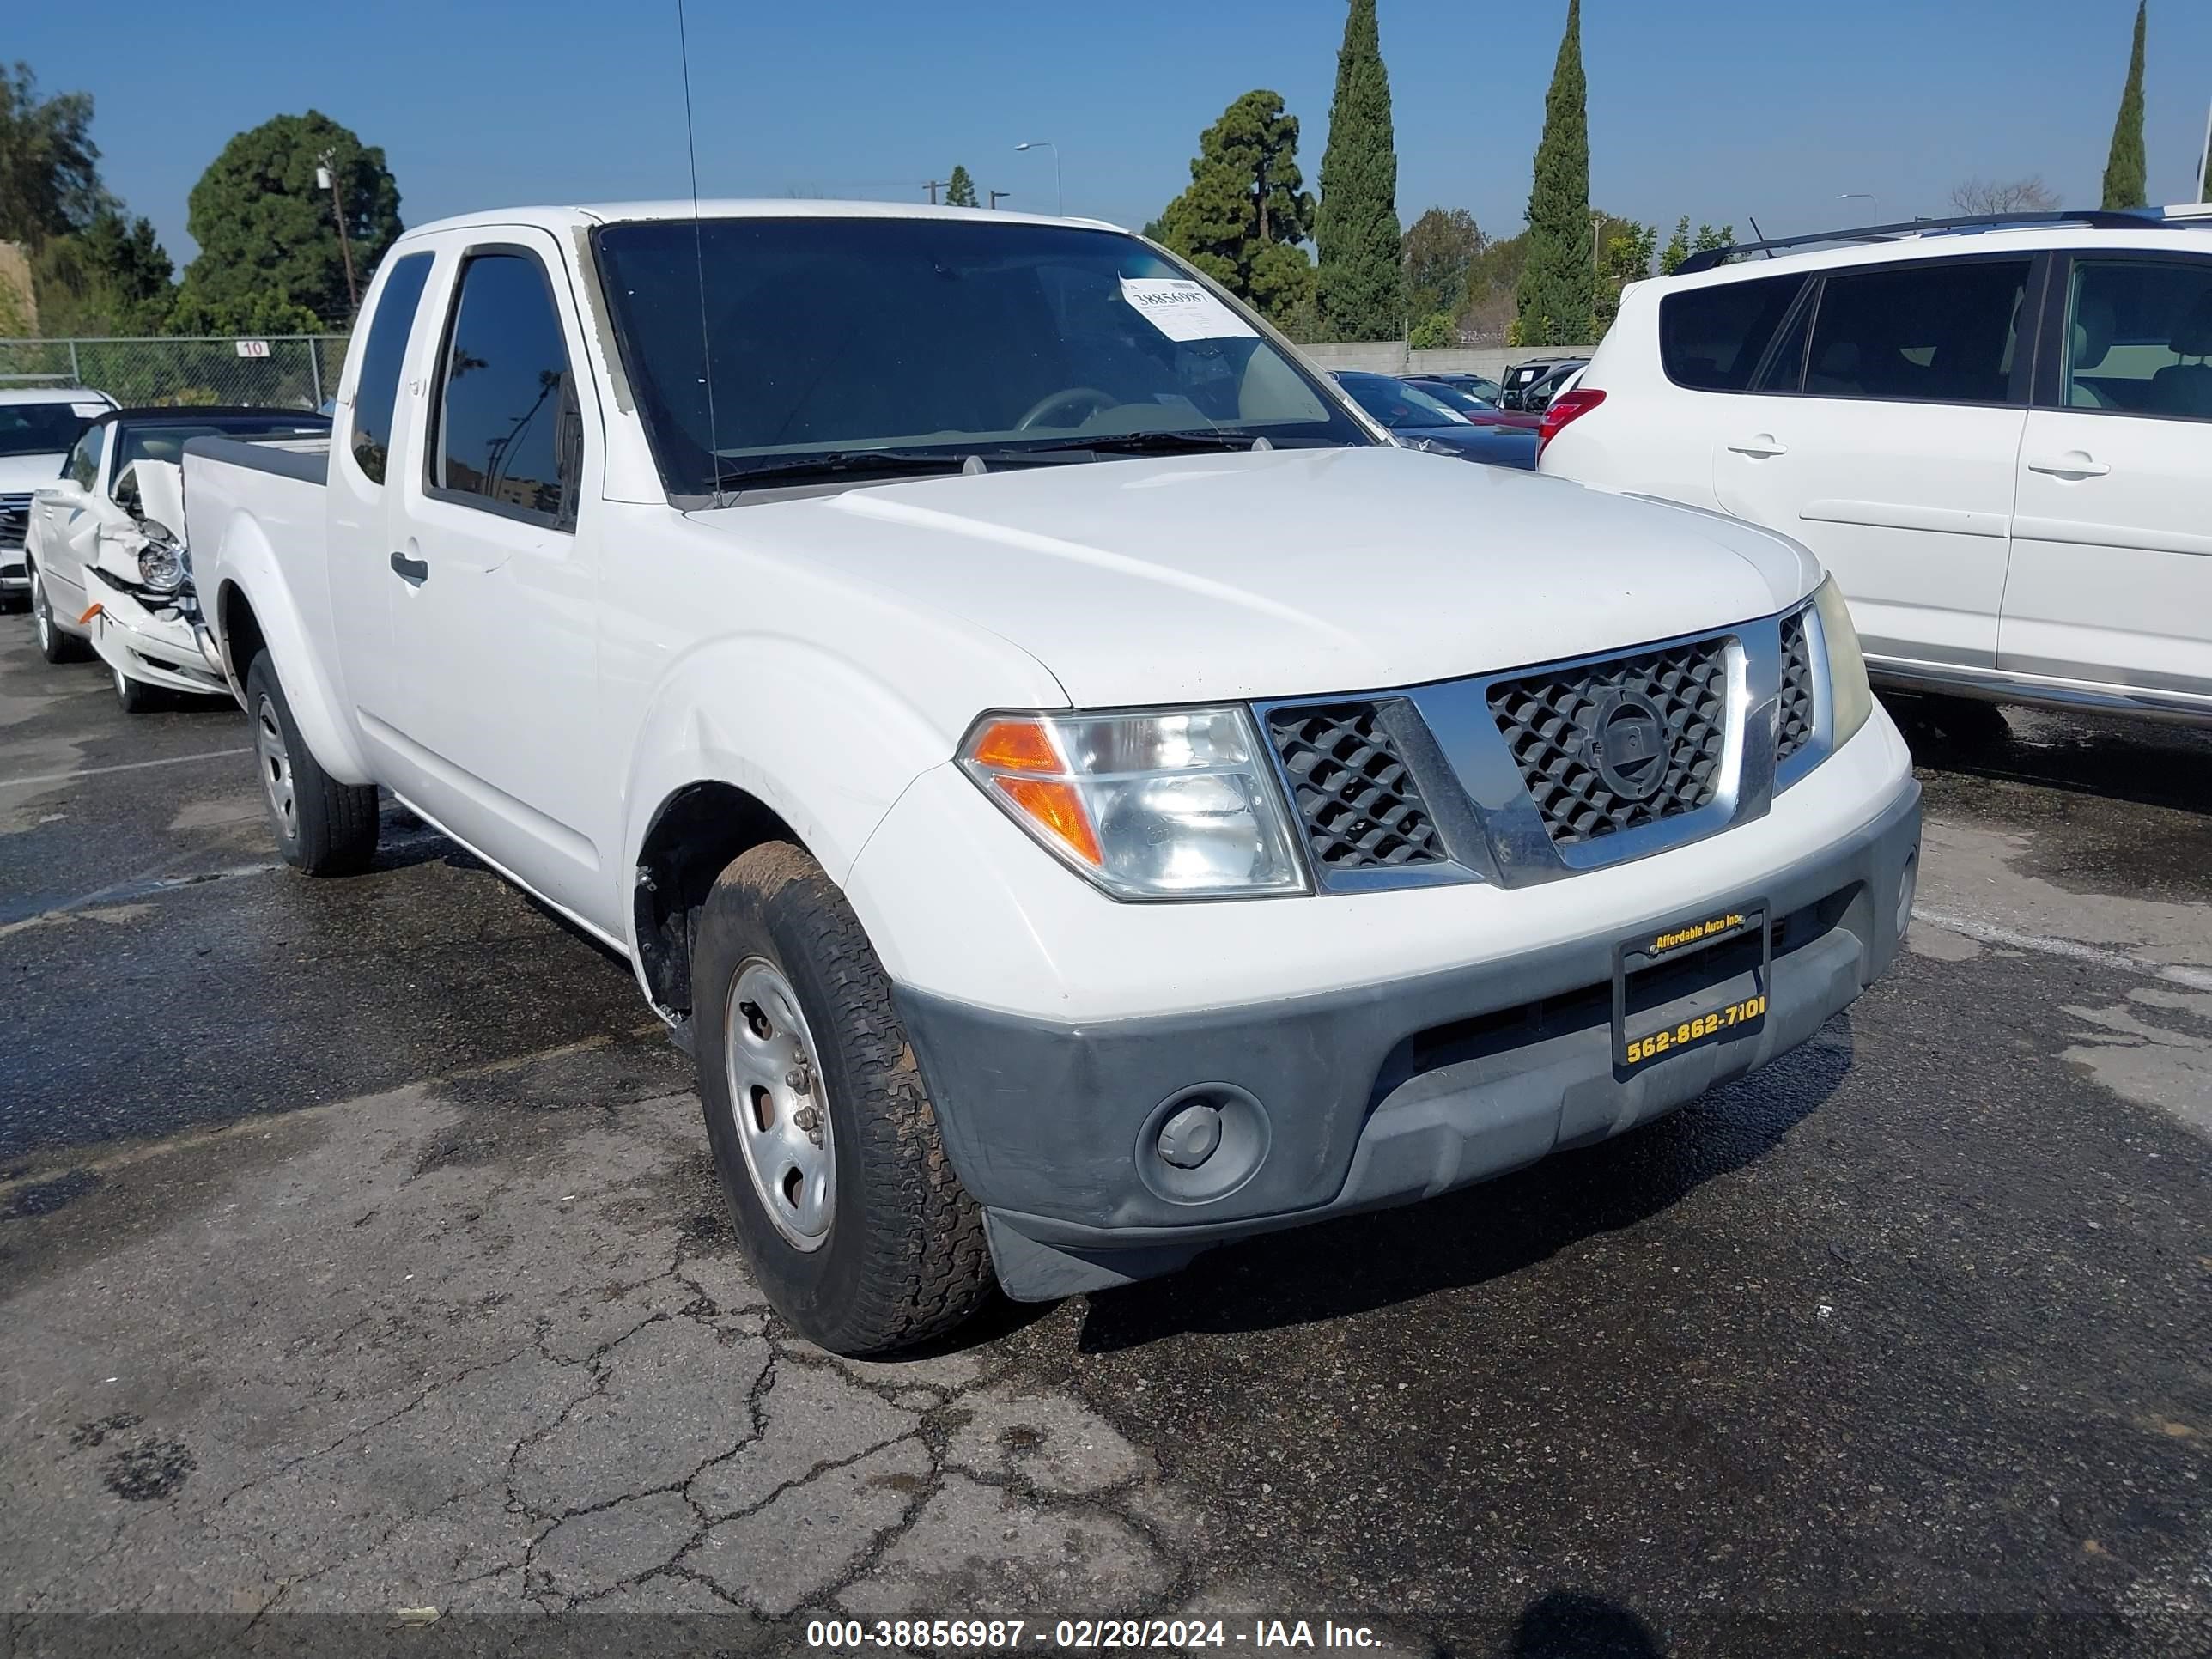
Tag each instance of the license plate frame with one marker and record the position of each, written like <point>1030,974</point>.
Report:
<point>1719,1012</point>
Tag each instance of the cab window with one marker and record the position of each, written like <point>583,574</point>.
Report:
<point>504,395</point>
<point>378,394</point>
<point>2139,338</point>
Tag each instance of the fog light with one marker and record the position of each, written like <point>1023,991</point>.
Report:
<point>1190,1137</point>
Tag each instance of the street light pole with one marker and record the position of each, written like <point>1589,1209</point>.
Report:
<point>1863,196</point>
<point>1058,193</point>
<point>326,176</point>
<point>996,194</point>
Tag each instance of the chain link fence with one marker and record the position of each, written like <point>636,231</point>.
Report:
<point>294,371</point>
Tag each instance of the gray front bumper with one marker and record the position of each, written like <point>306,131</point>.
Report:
<point>1371,1096</point>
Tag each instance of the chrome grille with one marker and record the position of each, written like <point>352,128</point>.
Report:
<point>1794,724</point>
<point>1551,723</point>
<point>15,520</point>
<point>1359,807</point>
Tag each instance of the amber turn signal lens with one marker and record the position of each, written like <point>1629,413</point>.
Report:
<point>1056,806</point>
<point>1016,746</point>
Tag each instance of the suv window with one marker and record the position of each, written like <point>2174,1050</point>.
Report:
<point>1937,333</point>
<point>502,392</point>
<point>375,398</point>
<point>84,461</point>
<point>1711,339</point>
<point>2139,338</point>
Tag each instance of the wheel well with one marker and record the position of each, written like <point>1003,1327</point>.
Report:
<point>242,639</point>
<point>693,835</point>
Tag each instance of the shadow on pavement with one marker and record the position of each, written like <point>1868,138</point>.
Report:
<point>1575,1624</point>
<point>2149,762</point>
<point>1495,1229</point>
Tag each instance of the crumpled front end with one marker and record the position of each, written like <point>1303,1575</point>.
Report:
<point>142,607</point>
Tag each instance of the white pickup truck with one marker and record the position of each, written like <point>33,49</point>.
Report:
<point>1079,791</point>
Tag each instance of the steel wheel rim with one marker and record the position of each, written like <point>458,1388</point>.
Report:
<point>275,757</point>
<point>779,1105</point>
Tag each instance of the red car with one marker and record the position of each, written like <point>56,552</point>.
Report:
<point>1474,408</point>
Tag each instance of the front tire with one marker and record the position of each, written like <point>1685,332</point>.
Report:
<point>323,827</point>
<point>823,1134</point>
<point>55,646</point>
<point>135,697</point>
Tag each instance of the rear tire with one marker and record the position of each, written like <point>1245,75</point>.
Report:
<point>323,827</point>
<point>892,1252</point>
<point>55,646</point>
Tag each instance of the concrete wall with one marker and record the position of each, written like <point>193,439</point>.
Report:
<point>1391,357</point>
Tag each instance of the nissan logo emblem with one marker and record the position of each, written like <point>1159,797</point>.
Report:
<point>1627,744</point>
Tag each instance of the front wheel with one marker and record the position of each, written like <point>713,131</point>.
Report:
<point>136,696</point>
<point>54,645</point>
<point>859,1232</point>
<point>323,827</point>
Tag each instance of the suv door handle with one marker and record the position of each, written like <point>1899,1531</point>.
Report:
<point>2073,465</point>
<point>1759,447</point>
<point>413,571</point>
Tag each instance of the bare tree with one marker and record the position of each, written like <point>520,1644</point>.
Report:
<point>2028,195</point>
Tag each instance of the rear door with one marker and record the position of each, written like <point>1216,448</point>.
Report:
<point>2112,563</point>
<point>494,571</point>
<point>1890,446</point>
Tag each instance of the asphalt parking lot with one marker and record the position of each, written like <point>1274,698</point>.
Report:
<point>362,1254</point>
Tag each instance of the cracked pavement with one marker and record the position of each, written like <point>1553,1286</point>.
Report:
<point>362,1257</point>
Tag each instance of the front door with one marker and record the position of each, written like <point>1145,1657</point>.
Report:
<point>1892,458</point>
<point>2112,565</point>
<point>494,578</point>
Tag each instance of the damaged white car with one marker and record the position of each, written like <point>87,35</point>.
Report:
<point>104,553</point>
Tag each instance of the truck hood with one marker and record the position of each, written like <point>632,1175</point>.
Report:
<point>21,474</point>
<point>1289,573</point>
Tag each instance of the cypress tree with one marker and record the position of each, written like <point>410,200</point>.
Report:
<point>1554,300</point>
<point>1356,229</point>
<point>2124,172</point>
<point>960,189</point>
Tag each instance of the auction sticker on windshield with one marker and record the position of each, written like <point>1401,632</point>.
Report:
<point>1184,310</point>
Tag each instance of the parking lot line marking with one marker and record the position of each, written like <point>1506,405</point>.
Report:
<point>124,766</point>
<point>1989,932</point>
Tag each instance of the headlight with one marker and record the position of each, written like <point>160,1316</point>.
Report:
<point>1176,804</point>
<point>161,565</point>
<point>1851,699</point>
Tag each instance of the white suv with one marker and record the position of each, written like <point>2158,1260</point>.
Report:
<point>1996,433</point>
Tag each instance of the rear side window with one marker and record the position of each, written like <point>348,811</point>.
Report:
<point>1711,339</point>
<point>1941,333</point>
<point>502,392</point>
<point>379,390</point>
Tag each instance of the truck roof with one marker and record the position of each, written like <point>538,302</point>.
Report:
<point>557,219</point>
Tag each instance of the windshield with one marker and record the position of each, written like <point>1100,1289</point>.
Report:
<point>1458,398</point>
<point>931,337</point>
<point>164,440</point>
<point>40,428</point>
<point>1397,406</point>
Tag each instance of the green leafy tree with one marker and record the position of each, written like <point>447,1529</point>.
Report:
<point>1677,248</point>
<point>1436,331</point>
<point>2125,185</point>
<point>112,277</point>
<point>1440,249</point>
<point>1246,211</point>
<point>1359,285</point>
<point>1708,238</point>
<point>49,166</point>
<point>269,244</point>
<point>1626,258</point>
<point>960,189</point>
<point>1557,287</point>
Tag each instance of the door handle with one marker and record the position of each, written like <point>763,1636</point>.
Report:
<point>413,571</point>
<point>2073,465</point>
<point>1759,446</point>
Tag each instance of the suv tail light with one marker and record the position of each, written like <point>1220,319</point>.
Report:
<point>1566,407</point>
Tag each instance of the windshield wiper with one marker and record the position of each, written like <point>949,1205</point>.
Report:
<point>1150,443</point>
<point>792,469</point>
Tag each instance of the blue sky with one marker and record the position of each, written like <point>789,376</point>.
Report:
<point>1720,109</point>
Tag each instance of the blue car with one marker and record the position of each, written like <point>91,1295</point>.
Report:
<point>1421,419</point>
